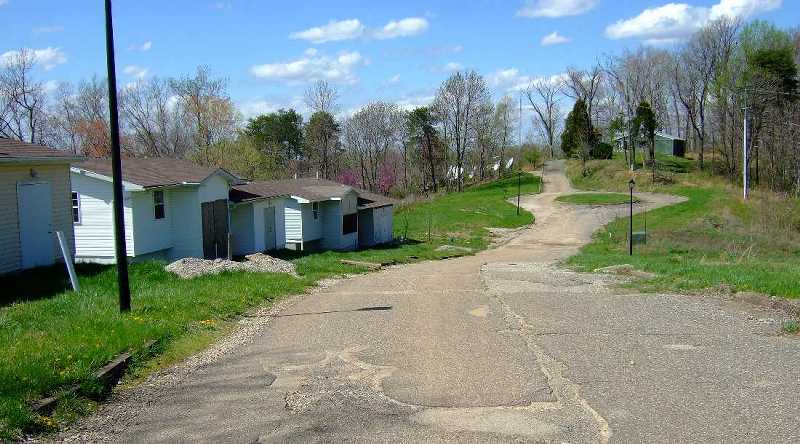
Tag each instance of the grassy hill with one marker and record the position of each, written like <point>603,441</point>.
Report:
<point>714,240</point>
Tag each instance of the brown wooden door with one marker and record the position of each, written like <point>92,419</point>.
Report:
<point>215,228</point>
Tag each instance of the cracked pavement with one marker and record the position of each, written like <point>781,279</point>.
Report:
<point>503,346</point>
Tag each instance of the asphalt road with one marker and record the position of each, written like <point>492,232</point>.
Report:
<point>503,346</point>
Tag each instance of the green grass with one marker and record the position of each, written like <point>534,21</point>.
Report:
<point>52,339</point>
<point>714,240</point>
<point>791,327</point>
<point>596,199</point>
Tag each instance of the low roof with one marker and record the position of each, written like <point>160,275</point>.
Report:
<point>155,172</point>
<point>624,134</point>
<point>313,190</point>
<point>373,200</point>
<point>15,151</point>
<point>310,189</point>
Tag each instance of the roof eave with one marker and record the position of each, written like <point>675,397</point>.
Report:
<point>129,186</point>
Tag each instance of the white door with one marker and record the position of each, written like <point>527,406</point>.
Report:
<point>35,206</point>
<point>269,228</point>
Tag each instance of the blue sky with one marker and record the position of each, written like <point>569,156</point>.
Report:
<point>398,51</point>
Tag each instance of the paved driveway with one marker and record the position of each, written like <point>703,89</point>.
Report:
<point>501,346</point>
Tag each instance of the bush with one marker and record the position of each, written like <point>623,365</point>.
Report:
<point>602,150</point>
<point>532,157</point>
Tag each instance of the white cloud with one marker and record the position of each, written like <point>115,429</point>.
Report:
<point>394,79</point>
<point>453,66</point>
<point>672,22</point>
<point>135,71</point>
<point>554,38</point>
<point>48,58</point>
<point>145,46</point>
<point>334,31</point>
<point>410,103</point>
<point>512,79</point>
<point>556,8</point>
<point>47,29</point>
<point>406,27</point>
<point>312,66</point>
<point>257,107</point>
<point>50,86</point>
<point>743,8</point>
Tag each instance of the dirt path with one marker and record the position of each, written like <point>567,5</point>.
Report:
<point>500,346</point>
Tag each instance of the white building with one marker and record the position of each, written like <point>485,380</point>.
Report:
<point>308,214</point>
<point>35,199</point>
<point>173,209</point>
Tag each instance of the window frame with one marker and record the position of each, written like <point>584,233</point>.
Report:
<point>75,203</point>
<point>315,210</point>
<point>157,204</point>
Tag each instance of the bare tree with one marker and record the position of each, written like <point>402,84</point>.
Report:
<point>543,96</point>
<point>321,97</point>
<point>205,102</point>
<point>583,85</point>
<point>22,98</point>
<point>457,102</point>
<point>694,72</point>
<point>505,121</point>
<point>370,135</point>
<point>154,120</point>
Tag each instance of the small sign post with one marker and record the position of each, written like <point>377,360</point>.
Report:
<point>631,185</point>
<point>67,255</point>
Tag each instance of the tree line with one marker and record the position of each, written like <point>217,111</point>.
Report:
<point>699,91</point>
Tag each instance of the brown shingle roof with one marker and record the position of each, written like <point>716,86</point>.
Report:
<point>11,149</point>
<point>314,190</point>
<point>152,172</point>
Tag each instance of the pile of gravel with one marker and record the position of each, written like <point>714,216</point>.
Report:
<point>190,267</point>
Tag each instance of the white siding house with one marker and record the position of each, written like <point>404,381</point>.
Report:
<point>258,225</point>
<point>36,202</point>
<point>311,214</point>
<point>172,209</point>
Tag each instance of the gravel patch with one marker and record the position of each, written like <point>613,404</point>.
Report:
<point>191,267</point>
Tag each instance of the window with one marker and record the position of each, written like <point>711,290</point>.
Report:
<point>315,210</point>
<point>158,204</point>
<point>76,208</point>
<point>349,223</point>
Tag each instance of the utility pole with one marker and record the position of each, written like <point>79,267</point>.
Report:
<point>116,166</point>
<point>744,149</point>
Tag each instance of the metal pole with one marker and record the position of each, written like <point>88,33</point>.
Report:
<point>116,166</point>
<point>520,118</point>
<point>519,189</point>
<point>744,154</point>
<point>630,228</point>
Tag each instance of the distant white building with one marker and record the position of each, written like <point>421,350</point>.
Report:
<point>173,209</point>
<point>307,214</point>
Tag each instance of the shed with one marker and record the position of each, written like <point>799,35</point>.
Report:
<point>670,145</point>
<point>312,214</point>
<point>664,144</point>
<point>36,202</point>
<point>173,209</point>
